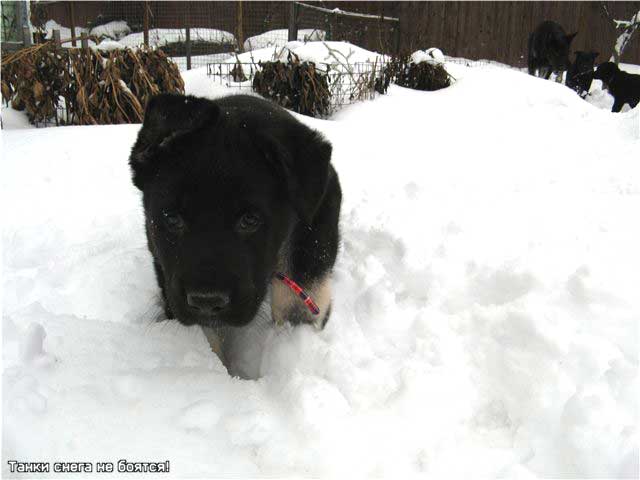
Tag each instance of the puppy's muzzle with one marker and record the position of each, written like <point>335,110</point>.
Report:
<point>210,303</point>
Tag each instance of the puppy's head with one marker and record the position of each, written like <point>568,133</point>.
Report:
<point>605,72</point>
<point>223,184</point>
<point>585,60</point>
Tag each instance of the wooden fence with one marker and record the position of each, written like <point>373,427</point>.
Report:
<point>500,30</point>
<point>492,30</point>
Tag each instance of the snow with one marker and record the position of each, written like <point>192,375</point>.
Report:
<point>433,56</point>
<point>628,29</point>
<point>117,34</point>
<point>278,38</point>
<point>485,317</point>
<point>108,45</point>
<point>112,30</point>
<point>65,33</point>
<point>159,37</point>
<point>318,52</point>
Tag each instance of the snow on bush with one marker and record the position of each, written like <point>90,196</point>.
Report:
<point>108,44</point>
<point>113,30</point>
<point>433,56</point>
<point>279,38</point>
<point>159,37</point>
<point>350,68</point>
<point>65,33</point>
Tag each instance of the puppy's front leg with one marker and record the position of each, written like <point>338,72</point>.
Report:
<point>288,306</point>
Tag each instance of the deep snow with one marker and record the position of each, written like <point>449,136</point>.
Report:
<point>486,307</point>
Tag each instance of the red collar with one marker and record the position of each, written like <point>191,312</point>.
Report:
<point>311,305</point>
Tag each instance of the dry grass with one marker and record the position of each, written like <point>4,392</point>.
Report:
<point>86,87</point>
<point>295,85</point>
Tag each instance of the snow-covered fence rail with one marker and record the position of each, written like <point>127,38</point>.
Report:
<point>377,32</point>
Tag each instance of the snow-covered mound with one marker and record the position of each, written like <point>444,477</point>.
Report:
<point>279,38</point>
<point>485,318</point>
<point>318,52</point>
<point>433,56</point>
<point>65,33</point>
<point>159,37</point>
<point>113,30</point>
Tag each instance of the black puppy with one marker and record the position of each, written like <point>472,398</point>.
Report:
<point>625,87</point>
<point>549,49</point>
<point>580,73</point>
<point>238,195</point>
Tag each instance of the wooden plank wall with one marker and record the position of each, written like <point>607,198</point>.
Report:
<point>492,30</point>
<point>499,30</point>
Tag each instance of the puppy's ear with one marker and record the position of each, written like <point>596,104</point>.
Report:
<point>594,55</point>
<point>570,37</point>
<point>166,118</point>
<point>301,160</point>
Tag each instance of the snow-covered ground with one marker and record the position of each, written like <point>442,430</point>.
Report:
<point>485,319</point>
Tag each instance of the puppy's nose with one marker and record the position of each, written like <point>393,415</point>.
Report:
<point>209,302</point>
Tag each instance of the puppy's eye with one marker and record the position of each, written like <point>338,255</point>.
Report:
<point>173,220</point>
<point>249,222</point>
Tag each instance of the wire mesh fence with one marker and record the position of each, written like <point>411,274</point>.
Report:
<point>194,34</point>
<point>374,32</point>
<point>346,83</point>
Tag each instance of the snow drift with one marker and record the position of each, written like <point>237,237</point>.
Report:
<point>485,321</point>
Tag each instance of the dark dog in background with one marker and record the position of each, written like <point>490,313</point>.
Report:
<point>234,191</point>
<point>625,87</point>
<point>580,73</point>
<point>549,49</point>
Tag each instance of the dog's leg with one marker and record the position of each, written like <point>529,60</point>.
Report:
<point>617,105</point>
<point>287,307</point>
<point>215,342</point>
<point>308,260</point>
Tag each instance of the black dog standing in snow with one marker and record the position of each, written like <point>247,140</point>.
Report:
<point>580,73</point>
<point>625,87</point>
<point>549,49</point>
<point>238,195</point>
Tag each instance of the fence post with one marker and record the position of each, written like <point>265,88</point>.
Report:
<point>26,37</point>
<point>396,38</point>
<point>146,23</point>
<point>293,23</point>
<point>84,41</point>
<point>239,26</point>
<point>72,14</point>
<point>188,46</point>
<point>56,38</point>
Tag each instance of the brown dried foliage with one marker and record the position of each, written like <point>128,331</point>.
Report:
<point>418,76</point>
<point>296,85</point>
<point>87,86</point>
